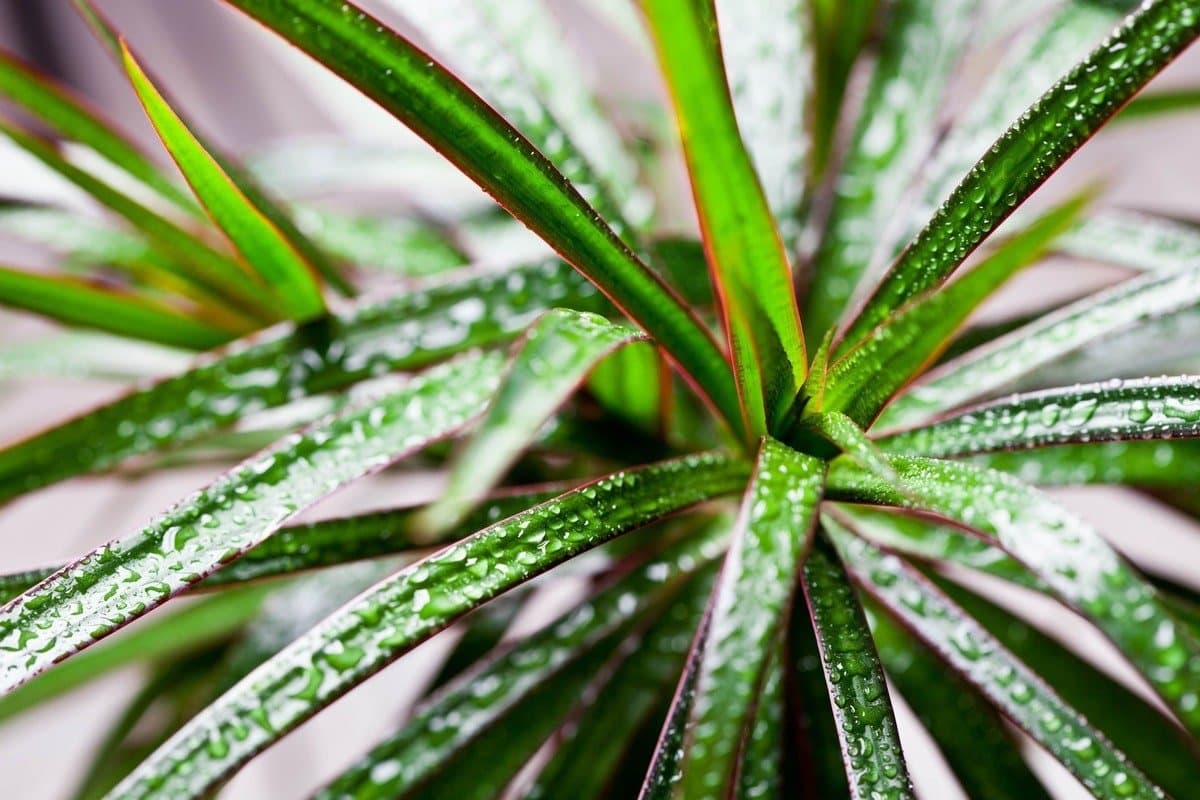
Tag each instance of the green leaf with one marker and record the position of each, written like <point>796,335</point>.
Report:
<point>1063,551</point>
<point>1161,463</point>
<point>768,63</point>
<point>1036,145</point>
<point>821,772</point>
<point>406,609</point>
<point>239,510</point>
<point>1134,239</point>
<point>971,735</point>
<point>761,763</point>
<point>922,41</point>
<point>83,354</point>
<point>554,359</point>
<point>1035,59</point>
<point>987,370</point>
<point>411,247</point>
<point>75,302</point>
<point>840,31</point>
<point>210,270</point>
<point>1159,103</point>
<point>272,257</point>
<point>746,258</point>
<point>862,710</point>
<point>71,118</point>
<point>403,333</point>
<point>1017,691</point>
<point>749,611</point>
<point>864,379</point>
<point>461,712</point>
<point>482,631</point>
<point>183,631</point>
<point>595,745</point>
<point>1145,408</point>
<point>421,94</point>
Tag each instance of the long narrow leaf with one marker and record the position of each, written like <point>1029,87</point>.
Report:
<point>841,29</point>
<point>1149,408</point>
<point>1036,145</point>
<point>862,710</point>
<point>746,258</point>
<point>405,332</point>
<point>77,303</point>
<point>71,609</point>
<point>405,81</point>
<point>555,357</point>
<point>262,245</point>
<point>1064,552</point>
<point>405,610</point>
<point>749,612</point>
<point>1161,463</point>
<point>1008,684</point>
<point>461,712</point>
<point>89,355</point>
<point>922,43</point>
<point>1136,240</point>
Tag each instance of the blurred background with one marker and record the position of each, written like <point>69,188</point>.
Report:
<point>258,99</point>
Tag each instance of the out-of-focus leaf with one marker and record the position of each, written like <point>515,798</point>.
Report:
<point>72,119</point>
<point>1031,65</point>
<point>406,246</point>
<point>750,605</point>
<point>463,713</point>
<point>1136,240</point>
<point>76,302</point>
<point>1054,127</point>
<point>406,609</point>
<point>403,333</point>
<point>555,357</point>
<point>1147,408</point>
<point>985,371</point>
<point>746,257</point>
<point>970,734</point>
<point>922,41</point>
<point>274,259</point>
<point>72,609</point>
<point>1154,463</point>
<point>861,382</point>
<point>840,30</point>
<point>195,261</point>
<point>821,772</point>
<point>186,630</point>
<point>1016,690</point>
<point>1160,103</point>
<point>862,710</point>
<point>482,631</point>
<point>1064,552</point>
<point>89,355</point>
<point>420,93</point>
<point>766,48</point>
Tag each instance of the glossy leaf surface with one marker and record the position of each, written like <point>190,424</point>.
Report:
<point>1036,145</point>
<point>408,608</point>
<point>746,257</point>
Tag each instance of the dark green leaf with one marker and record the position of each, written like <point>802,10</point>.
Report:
<point>1036,145</point>
<point>406,609</point>
<point>761,763</point>
<point>746,257</point>
<point>821,772</point>
<point>405,81</point>
<point>862,710</point>
<point>749,612</point>
<point>1008,684</point>
<point>72,609</point>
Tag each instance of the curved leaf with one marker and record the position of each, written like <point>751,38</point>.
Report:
<point>272,257</point>
<point>1159,103</point>
<point>749,610</point>
<point>922,41</point>
<point>269,370</point>
<point>841,29</point>
<point>406,609</point>
<point>746,258</point>
<point>1146,408</point>
<point>1060,549</point>
<point>765,47</point>
<point>862,381</point>
<point>77,303</point>
<point>1137,240</point>
<point>1013,688</point>
<point>1036,145</point>
<point>862,710</point>
<point>986,370</point>
<point>555,357</point>
<point>461,712</point>
<point>70,117</point>
<point>407,83</point>
<point>73,608</point>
